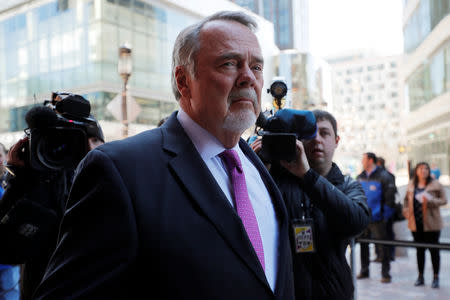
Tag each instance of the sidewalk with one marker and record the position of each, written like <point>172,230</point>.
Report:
<point>404,274</point>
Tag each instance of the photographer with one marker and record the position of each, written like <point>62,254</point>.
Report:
<point>41,167</point>
<point>326,209</point>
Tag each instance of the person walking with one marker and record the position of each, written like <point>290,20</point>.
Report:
<point>185,210</point>
<point>421,207</point>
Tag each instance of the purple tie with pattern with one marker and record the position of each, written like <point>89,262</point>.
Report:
<point>242,201</point>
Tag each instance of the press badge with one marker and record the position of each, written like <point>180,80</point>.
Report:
<point>304,236</point>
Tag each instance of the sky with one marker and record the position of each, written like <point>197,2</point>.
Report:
<point>338,26</point>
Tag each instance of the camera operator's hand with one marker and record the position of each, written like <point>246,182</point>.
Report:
<point>256,145</point>
<point>14,154</point>
<point>299,166</point>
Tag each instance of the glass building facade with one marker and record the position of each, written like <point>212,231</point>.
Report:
<point>431,79</point>
<point>288,33</point>
<point>72,45</point>
<point>423,20</point>
<point>427,83</point>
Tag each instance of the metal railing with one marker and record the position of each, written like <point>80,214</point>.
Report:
<point>399,243</point>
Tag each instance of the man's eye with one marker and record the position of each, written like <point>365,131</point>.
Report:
<point>229,64</point>
<point>258,68</point>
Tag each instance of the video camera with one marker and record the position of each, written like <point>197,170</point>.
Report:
<point>280,130</point>
<point>58,132</point>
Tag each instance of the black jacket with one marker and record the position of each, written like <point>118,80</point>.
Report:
<point>337,205</point>
<point>30,212</point>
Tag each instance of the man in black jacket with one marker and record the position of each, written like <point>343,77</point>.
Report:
<point>326,209</point>
<point>31,210</point>
<point>390,234</point>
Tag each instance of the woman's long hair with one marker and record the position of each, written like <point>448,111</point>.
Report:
<point>416,178</point>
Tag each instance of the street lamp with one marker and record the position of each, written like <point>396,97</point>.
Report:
<point>125,67</point>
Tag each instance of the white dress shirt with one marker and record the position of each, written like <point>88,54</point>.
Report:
<point>209,147</point>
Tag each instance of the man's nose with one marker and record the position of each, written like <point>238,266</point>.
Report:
<point>246,77</point>
<point>317,138</point>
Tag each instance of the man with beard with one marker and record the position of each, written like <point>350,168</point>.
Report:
<point>191,213</point>
<point>326,209</point>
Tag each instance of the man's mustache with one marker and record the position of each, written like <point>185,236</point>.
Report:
<point>244,93</point>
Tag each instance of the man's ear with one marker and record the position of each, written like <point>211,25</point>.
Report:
<point>182,80</point>
<point>338,138</point>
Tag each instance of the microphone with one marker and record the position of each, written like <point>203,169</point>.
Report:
<point>41,117</point>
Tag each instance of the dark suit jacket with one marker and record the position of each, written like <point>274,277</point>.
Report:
<point>146,217</point>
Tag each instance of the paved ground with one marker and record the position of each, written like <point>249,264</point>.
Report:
<point>404,269</point>
<point>404,274</point>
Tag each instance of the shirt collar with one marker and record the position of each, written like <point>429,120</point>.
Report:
<point>207,145</point>
<point>373,171</point>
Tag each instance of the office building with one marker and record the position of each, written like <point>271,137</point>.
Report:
<point>73,45</point>
<point>368,105</point>
<point>426,28</point>
<point>289,17</point>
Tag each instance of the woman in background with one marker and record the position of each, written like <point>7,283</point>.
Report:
<point>423,198</point>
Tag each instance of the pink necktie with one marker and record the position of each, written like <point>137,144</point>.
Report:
<point>242,201</point>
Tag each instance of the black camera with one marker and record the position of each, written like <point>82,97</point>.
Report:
<point>280,131</point>
<point>58,132</point>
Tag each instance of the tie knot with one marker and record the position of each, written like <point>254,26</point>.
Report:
<point>231,159</point>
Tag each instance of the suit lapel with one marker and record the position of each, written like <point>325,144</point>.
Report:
<point>207,194</point>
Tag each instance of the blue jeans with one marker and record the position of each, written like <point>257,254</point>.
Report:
<point>9,283</point>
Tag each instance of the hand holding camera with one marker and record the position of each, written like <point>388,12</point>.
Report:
<point>298,166</point>
<point>16,153</point>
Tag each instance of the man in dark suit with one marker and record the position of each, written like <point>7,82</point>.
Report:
<point>154,215</point>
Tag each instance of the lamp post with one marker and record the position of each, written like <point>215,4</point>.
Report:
<point>125,67</point>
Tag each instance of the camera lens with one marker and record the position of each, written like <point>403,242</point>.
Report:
<point>278,89</point>
<point>54,151</point>
<point>60,148</point>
